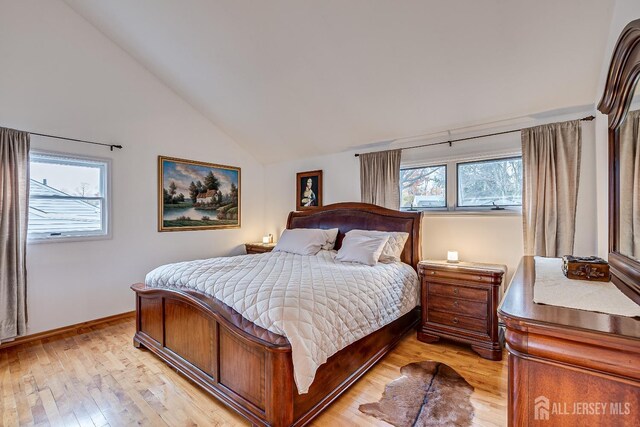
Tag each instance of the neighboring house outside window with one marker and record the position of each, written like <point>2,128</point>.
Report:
<point>457,186</point>
<point>423,187</point>
<point>68,197</point>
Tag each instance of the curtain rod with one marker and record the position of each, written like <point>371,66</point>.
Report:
<point>111,146</point>
<point>451,141</point>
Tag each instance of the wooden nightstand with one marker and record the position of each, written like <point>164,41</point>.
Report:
<point>259,248</point>
<point>460,302</point>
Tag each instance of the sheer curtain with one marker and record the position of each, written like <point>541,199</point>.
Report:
<point>551,171</point>
<point>14,196</point>
<point>380,178</point>
<point>629,138</point>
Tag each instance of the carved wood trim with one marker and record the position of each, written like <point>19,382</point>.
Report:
<point>266,395</point>
<point>221,313</point>
<point>624,72</point>
<point>610,357</point>
<point>562,353</point>
<point>625,274</point>
<point>378,218</point>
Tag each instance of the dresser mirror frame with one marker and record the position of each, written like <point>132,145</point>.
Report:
<point>623,76</point>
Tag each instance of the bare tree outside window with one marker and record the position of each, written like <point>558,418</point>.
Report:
<point>487,182</point>
<point>423,187</point>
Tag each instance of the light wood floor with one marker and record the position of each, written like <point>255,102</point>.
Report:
<point>97,378</point>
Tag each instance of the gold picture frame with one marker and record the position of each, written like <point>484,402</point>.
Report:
<point>195,195</point>
<point>308,190</point>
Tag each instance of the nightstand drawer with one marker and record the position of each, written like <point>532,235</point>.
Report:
<point>457,321</point>
<point>465,276</point>
<point>458,306</point>
<point>454,291</point>
<point>258,248</point>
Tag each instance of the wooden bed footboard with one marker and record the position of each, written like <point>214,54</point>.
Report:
<point>247,367</point>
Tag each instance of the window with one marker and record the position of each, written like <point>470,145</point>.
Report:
<point>424,187</point>
<point>489,182</point>
<point>68,197</point>
<point>463,186</point>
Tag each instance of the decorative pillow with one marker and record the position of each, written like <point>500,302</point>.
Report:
<point>301,241</point>
<point>332,235</point>
<point>392,251</point>
<point>361,248</point>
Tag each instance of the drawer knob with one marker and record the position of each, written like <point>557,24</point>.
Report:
<point>455,304</point>
<point>433,273</point>
<point>455,320</point>
<point>480,278</point>
<point>455,291</point>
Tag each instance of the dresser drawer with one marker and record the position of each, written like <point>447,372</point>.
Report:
<point>458,292</point>
<point>457,321</point>
<point>464,276</point>
<point>458,306</point>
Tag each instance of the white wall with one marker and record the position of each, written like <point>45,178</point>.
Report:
<point>60,75</point>
<point>481,238</point>
<point>586,239</point>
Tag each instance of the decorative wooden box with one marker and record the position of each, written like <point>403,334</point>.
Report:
<point>585,268</point>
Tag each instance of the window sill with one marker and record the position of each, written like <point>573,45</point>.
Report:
<point>67,239</point>
<point>468,212</point>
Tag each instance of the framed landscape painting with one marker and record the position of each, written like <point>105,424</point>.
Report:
<point>308,190</point>
<point>197,195</point>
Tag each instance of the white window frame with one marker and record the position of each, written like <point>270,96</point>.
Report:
<point>452,186</point>
<point>446,189</point>
<point>104,164</point>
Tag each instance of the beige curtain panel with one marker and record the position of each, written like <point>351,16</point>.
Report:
<point>380,178</point>
<point>630,185</point>
<point>551,171</point>
<point>14,196</point>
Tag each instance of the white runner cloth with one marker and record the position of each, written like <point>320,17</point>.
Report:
<point>553,288</point>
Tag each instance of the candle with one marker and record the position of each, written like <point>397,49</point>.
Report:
<point>452,256</point>
<point>266,239</point>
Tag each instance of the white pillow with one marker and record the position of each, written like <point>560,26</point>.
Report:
<point>332,235</point>
<point>361,248</point>
<point>302,241</point>
<point>392,251</point>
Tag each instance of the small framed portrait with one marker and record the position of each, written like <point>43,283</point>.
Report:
<point>308,190</point>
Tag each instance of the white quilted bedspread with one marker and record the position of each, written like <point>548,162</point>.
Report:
<point>321,305</point>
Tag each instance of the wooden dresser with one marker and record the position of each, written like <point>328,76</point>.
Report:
<point>568,367</point>
<point>259,248</point>
<point>459,302</point>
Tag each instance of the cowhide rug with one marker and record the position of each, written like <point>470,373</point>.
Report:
<point>428,394</point>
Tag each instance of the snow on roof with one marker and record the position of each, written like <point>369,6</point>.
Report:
<point>59,215</point>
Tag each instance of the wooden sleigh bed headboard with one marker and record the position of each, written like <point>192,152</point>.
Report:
<point>364,216</point>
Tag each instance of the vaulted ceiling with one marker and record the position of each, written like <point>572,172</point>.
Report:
<point>297,78</point>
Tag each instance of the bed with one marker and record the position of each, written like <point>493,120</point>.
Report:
<point>250,368</point>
